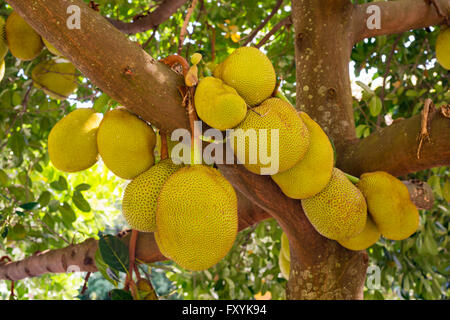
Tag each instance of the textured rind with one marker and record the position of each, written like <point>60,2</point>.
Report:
<point>294,137</point>
<point>443,48</point>
<point>250,72</point>
<point>285,266</point>
<point>389,204</point>
<point>140,197</point>
<point>285,247</point>
<point>58,80</point>
<point>339,211</point>
<point>311,174</point>
<point>368,237</point>
<point>219,105</point>
<point>196,217</point>
<point>72,144</point>
<point>3,42</point>
<point>126,143</point>
<point>23,42</point>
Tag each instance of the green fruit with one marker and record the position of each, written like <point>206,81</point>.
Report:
<point>285,247</point>
<point>196,217</point>
<point>339,211</point>
<point>293,135</point>
<point>443,48</point>
<point>126,143</point>
<point>285,266</point>
<point>72,142</point>
<point>368,237</point>
<point>51,48</point>
<point>311,174</point>
<point>141,194</point>
<point>218,104</point>
<point>23,42</point>
<point>250,72</point>
<point>389,204</point>
<point>3,42</point>
<point>58,80</point>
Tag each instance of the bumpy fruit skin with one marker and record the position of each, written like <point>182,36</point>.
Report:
<point>250,72</point>
<point>126,143</point>
<point>339,211</point>
<point>311,174</point>
<point>3,42</point>
<point>368,237</point>
<point>58,80</point>
<point>141,195</point>
<point>389,204</point>
<point>285,266</point>
<point>219,105</point>
<point>196,217</point>
<point>443,48</point>
<point>24,43</point>
<point>72,144</point>
<point>285,247</point>
<point>294,137</point>
<point>51,48</point>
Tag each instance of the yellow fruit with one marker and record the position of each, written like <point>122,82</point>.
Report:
<point>3,42</point>
<point>443,48</point>
<point>339,211</point>
<point>24,43</point>
<point>311,174</point>
<point>196,217</point>
<point>293,141</point>
<point>250,72</point>
<point>285,266</point>
<point>260,296</point>
<point>141,194</point>
<point>2,70</point>
<point>365,239</point>
<point>58,80</point>
<point>389,204</point>
<point>126,143</point>
<point>285,247</point>
<point>51,48</point>
<point>218,104</point>
<point>196,58</point>
<point>72,144</point>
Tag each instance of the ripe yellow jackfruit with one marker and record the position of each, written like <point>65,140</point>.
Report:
<point>389,204</point>
<point>126,143</point>
<point>72,144</point>
<point>140,196</point>
<point>51,48</point>
<point>311,174</point>
<point>285,247</point>
<point>23,42</point>
<point>58,80</point>
<point>365,239</point>
<point>443,48</point>
<point>285,266</point>
<point>3,42</point>
<point>250,72</point>
<point>294,137</point>
<point>339,211</point>
<point>219,105</point>
<point>196,217</point>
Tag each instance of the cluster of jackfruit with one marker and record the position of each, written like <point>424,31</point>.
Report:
<point>56,77</point>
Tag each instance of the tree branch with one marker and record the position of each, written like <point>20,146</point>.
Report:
<point>394,148</point>
<point>150,21</point>
<point>285,22</point>
<point>398,16</point>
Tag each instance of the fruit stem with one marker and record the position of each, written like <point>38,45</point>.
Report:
<point>281,95</point>
<point>352,178</point>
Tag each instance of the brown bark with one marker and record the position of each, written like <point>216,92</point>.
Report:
<point>399,16</point>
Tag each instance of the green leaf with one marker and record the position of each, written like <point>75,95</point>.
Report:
<point>103,268</point>
<point>101,104</point>
<point>375,106</point>
<point>44,198</point>
<point>411,93</point>
<point>29,206</point>
<point>435,184</point>
<point>446,191</point>
<point>68,215</point>
<point>5,232</point>
<point>114,252</point>
<point>4,179</point>
<point>60,184</point>
<point>366,88</point>
<point>83,187</point>
<point>80,202</point>
<point>360,130</point>
<point>119,294</point>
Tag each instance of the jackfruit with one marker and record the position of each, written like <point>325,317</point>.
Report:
<point>443,48</point>
<point>72,144</point>
<point>339,211</point>
<point>3,42</point>
<point>311,174</point>
<point>365,239</point>
<point>58,80</point>
<point>218,104</point>
<point>51,48</point>
<point>293,137</point>
<point>250,72</point>
<point>196,217</point>
<point>285,247</point>
<point>140,196</point>
<point>285,266</point>
<point>126,143</point>
<point>389,204</point>
<point>23,42</point>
